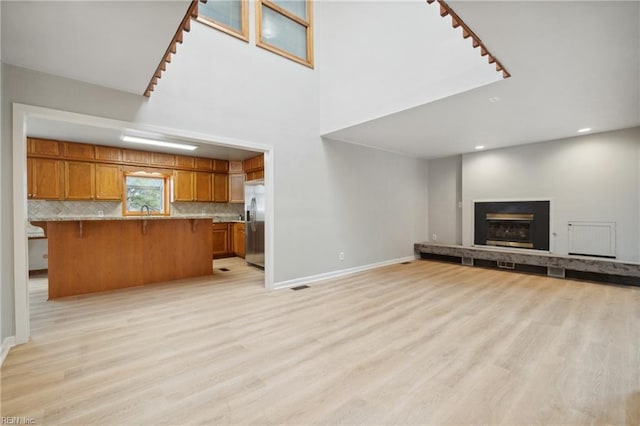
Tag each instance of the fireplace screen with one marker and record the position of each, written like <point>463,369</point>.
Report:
<point>509,229</point>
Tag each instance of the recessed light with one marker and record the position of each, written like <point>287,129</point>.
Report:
<point>494,99</point>
<point>479,147</point>
<point>584,129</point>
<point>134,139</point>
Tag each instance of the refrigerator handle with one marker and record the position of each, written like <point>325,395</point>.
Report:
<point>254,207</point>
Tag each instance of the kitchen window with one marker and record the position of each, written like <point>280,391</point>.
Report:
<point>229,16</point>
<point>146,194</point>
<point>285,28</point>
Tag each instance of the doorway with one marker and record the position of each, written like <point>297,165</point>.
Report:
<point>22,114</point>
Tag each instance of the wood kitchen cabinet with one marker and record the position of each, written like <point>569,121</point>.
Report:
<point>254,167</point>
<point>160,159</point>
<point>204,164</point>
<point>221,246</point>
<point>235,167</point>
<point>44,179</point>
<point>136,157</point>
<point>78,151</point>
<point>220,188</point>
<point>203,182</point>
<point>183,187</point>
<point>109,154</point>
<point>236,188</point>
<point>79,180</point>
<point>43,147</point>
<point>220,166</point>
<point>108,182</point>
<point>184,162</point>
<point>238,239</point>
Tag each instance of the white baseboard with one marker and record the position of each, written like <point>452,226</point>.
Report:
<point>8,343</point>
<point>340,273</point>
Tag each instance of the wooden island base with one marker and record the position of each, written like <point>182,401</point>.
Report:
<point>98,255</point>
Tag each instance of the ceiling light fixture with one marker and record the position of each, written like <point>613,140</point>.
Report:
<point>479,147</point>
<point>585,129</point>
<point>494,99</point>
<point>134,139</point>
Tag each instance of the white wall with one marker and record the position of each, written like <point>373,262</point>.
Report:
<point>380,57</point>
<point>218,85</point>
<point>588,178</point>
<point>445,191</point>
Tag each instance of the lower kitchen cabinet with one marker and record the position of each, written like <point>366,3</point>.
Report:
<point>238,239</point>
<point>228,240</point>
<point>221,245</point>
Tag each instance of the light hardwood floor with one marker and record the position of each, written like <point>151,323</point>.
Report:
<point>423,343</point>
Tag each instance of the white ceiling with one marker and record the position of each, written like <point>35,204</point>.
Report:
<point>116,44</point>
<point>72,132</point>
<point>573,65</point>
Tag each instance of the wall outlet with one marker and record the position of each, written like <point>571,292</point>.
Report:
<point>341,255</point>
<point>45,256</point>
<point>100,213</point>
<point>434,237</point>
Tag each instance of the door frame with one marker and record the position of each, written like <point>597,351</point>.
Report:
<point>21,114</point>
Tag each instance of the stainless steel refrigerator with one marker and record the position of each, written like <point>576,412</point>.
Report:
<point>254,199</point>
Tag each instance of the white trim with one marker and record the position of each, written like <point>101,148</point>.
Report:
<point>340,273</point>
<point>7,344</point>
<point>22,112</point>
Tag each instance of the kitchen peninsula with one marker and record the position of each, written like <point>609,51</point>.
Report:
<point>88,255</point>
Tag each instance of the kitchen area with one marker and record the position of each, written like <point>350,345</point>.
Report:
<point>118,212</point>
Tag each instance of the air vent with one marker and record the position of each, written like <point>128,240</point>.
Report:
<point>506,265</point>
<point>405,263</point>
<point>555,272</point>
<point>224,269</point>
<point>467,261</point>
<point>300,287</point>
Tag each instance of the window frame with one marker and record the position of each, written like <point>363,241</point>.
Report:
<point>243,34</point>
<point>308,24</point>
<point>149,174</point>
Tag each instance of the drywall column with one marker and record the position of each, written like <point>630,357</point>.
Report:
<point>445,191</point>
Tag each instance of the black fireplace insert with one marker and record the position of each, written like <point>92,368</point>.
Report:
<point>517,224</point>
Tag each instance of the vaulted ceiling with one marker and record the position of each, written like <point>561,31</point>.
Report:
<point>116,44</point>
<point>573,65</point>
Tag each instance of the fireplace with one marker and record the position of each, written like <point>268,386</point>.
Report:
<point>516,224</point>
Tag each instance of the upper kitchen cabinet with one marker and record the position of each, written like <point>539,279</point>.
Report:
<point>220,166</point>
<point>183,187</point>
<point>78,151</point>
<point>235,167</point>
<point>162,160</point>
<point>79,180</point>
<point>220,188</point>
<point>203,186</point>
<point>108,154</point>
<point>43,147</point>
<point>254,167</point>
<point>44,179</point>
<point>204,164</point>
<point>136,157</point>
<point>108,182</point>
<point>236,188</point>
<point>184,162</point>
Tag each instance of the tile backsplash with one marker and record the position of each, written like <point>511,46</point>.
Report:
<point>42,208</point>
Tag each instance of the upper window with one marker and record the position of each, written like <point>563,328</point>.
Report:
<point>230,16</point>
<point>146,194</point>
<point>285,27</point>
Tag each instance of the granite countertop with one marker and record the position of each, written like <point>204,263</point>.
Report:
<point>87,218</point>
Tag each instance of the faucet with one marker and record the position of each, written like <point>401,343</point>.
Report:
<point>142,210</point>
